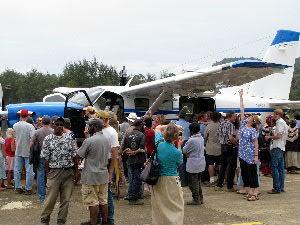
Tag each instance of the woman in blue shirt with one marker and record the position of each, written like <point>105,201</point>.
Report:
<point>167,196</point>
<point>248,153</point>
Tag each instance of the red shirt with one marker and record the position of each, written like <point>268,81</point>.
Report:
<point>150,137</point>
<point>7,145</point>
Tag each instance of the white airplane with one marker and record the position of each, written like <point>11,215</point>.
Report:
<point>266,86</point>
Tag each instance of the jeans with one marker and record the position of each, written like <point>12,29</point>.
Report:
<point>277,166</point>
<point>2,167</point>
<point>182,169</point>
<point>40,179</point>
<point>20,162</point>
<point>135,184</point>
<point>110,204</point>
<point>228,163</point>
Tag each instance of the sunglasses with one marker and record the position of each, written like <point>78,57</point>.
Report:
<point>59,124</point>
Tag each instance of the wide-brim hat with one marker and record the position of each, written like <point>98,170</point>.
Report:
<point>132,117</point>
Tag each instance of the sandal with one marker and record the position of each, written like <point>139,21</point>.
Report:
<point>246,196</point>
<point>253,198</point>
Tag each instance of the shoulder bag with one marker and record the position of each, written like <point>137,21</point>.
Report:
<point>150,173</point>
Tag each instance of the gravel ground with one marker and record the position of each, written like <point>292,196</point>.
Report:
<point>220,208</point>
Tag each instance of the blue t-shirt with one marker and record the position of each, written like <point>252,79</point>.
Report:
<point>246,144</point>
<point>185,125</point>
<point>169,157</point>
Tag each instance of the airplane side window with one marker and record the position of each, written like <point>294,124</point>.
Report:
<point>167,105</point>
<point>189,107</point>
<point>141,103</point>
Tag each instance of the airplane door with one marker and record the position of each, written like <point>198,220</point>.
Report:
<point>76,115</point>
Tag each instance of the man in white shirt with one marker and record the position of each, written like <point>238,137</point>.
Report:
<point>277,152</point>
<point>111,134</point>
<point>24,132</point>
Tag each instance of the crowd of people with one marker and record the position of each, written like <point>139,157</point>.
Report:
<point>211,149</point>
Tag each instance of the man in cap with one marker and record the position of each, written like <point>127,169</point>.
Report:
<point>58,151</point>
<point>37,141</point>
<point>94,177</point>
<point>111,134</point>
<point>90,112</point>
<point>24,132</point>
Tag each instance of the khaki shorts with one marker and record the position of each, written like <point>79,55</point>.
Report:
<point>93,195</point>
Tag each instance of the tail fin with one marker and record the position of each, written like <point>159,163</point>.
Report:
<point>282,50</point>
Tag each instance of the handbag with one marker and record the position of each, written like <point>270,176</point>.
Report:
<point>150,173</point>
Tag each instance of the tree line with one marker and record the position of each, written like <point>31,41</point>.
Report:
<point>32,86</point>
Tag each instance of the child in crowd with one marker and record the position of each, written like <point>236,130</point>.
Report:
<point>194,148</point>
<point>2,166</point>
<point>10,147</point>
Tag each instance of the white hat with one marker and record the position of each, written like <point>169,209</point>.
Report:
<point>132,117</point>
<point>223,114</point>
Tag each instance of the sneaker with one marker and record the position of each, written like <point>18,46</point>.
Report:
<point>28,192</point>
<point>205,184</point>
<point>193,202</point>
<point>110,221</point>
<point>213,184</point>
<point>127,198</point>
<point>86,223</point>
<point>218,188</point>
<point>136,202</point>
<point>9,187</point>
<point>19,191</point>
<point>230,190</point>
<point>273,192</point>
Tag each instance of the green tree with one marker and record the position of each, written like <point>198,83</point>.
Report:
<point>86,73</point>
<point>165,74</point>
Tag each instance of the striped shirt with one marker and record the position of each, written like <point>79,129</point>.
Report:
<point>226,129</point>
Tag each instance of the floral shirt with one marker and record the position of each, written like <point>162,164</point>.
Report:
<point>59,151</point>
<point>246,144</point>
<point>225,129</point>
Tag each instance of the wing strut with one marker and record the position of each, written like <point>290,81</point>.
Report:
<point>160,99</point>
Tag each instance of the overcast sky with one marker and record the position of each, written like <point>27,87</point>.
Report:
<point>146,36</point>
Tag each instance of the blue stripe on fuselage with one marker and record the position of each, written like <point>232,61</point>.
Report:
<point>237,110</point>
<point>141,112</point>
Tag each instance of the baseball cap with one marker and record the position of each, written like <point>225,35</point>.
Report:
<point>46,120</point>
<point>89,108</point>
<point>23,112</point>
<point>95,122</point>
<point>103,114</point>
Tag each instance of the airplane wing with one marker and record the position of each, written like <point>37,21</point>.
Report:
<point>67,90</point>
<point>286,104</point>
<point>189,83</point>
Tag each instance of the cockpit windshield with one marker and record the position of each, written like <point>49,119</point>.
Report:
<point>81,99</point>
